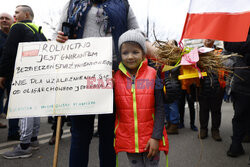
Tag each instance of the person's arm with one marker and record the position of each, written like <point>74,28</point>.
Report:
<point>8,59</point>
<point>133,24</point>
<point>238,47</point>
<point>153,143</point>
<point>59,35</point>
<point>151,51</point>
<point>2,79</point>
<point>131,20</point>
<point>63,18</point>
<point>159,111</point>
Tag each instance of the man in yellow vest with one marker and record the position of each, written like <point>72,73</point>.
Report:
<point>22,31</point>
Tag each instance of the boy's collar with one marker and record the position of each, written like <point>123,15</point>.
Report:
<point>141,67</point>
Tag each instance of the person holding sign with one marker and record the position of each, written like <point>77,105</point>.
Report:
<point>22,31</point>
<point>139,104</point>
<point>95,18</point>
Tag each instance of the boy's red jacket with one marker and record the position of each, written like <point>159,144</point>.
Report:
<point>135,110</point>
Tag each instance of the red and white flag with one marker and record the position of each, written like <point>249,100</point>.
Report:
<point>226,20</point>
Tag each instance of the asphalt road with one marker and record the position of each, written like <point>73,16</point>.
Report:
<point>186,150</point>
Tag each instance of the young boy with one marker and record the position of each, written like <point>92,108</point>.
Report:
<point>139,126</point>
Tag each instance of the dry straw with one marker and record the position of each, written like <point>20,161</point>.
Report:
<point>167,53</point>
<point>210,62</point>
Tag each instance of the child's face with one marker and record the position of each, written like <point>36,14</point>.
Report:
<point>132,56</point>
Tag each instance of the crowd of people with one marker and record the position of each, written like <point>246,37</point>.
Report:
<point>146,111</point>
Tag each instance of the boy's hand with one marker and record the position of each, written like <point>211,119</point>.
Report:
<point>152,147</point>
<point>61,38</point>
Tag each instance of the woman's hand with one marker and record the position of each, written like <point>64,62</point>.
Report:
<point>61,38</point>
<point>2,81</point>
<point>152,147</point>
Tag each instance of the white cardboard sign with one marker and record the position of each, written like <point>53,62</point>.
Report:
<point>71,78</point>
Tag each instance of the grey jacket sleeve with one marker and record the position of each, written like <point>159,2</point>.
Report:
<point>132,22</point>
<point>159,111</point>
<point>62,19</point>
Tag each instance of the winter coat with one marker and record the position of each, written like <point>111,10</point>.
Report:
<point>135,110</point>
<point>3,38</point>
<point>19,32</point>
<point>117,11</point>
<point>241,82</point>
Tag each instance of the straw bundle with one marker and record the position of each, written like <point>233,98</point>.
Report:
<point>167,53</point>
<point>210,62</point>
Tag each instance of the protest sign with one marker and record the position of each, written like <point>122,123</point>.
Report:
<point>71,78</point>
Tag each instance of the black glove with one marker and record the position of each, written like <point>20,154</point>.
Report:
<point>173,90</point>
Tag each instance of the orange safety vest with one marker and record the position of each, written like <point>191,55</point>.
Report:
<point>135,110</point>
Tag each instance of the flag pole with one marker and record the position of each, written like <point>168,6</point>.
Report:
<point>58,133</point>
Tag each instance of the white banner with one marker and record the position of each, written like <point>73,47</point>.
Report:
<point>71,78</point>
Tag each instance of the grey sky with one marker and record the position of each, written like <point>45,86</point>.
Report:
<point>167,15</point>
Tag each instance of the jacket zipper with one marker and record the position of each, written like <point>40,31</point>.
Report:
<point>135,115</point>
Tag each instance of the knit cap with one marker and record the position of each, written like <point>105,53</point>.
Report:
<point>133,35</point>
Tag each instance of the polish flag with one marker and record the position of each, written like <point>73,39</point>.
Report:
<point>30,53</point>
<point>226,20</point>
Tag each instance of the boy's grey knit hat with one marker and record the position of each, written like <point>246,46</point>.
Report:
<point>133,35</point>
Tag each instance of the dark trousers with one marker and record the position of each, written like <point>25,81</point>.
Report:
<point>13,123</point>
<point>182,101</point>
<point>54,126</point>
<point>82,132</point>
<point>212,104</point>
<point>241,117</point>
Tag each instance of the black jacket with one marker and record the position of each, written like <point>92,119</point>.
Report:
<point>18,33</point>
<point>3,38</point>
<point>241,84</point>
